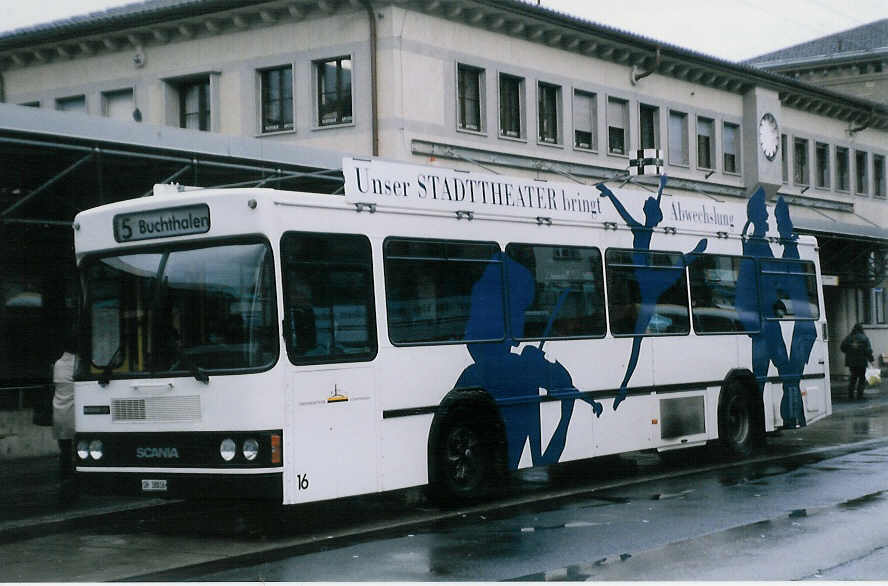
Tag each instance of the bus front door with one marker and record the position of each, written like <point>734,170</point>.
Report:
<point>331,423</point>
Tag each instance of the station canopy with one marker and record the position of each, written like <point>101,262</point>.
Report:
<point>56,164</point>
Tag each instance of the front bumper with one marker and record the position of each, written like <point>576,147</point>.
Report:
<point>187,485</point>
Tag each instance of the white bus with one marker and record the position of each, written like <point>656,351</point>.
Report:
<point>432,326</point>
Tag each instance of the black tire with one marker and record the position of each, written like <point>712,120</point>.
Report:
<point>740,428</point>
<point>464,459</point>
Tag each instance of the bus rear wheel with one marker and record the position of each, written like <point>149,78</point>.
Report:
<point>738,427</point>
<point>464,460</point>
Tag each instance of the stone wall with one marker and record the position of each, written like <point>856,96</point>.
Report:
<point>20,438</point>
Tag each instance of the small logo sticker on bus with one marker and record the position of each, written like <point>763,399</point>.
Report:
<point>180,221</point>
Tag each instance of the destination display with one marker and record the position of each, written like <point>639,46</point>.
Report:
<point>179,221</point>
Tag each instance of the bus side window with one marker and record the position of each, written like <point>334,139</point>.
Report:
<point>568,297</point>
<point>328,296</point>
<point>647,292</point>
<point>789,290</point>
<point>720,302</point>
<point>429,285</point>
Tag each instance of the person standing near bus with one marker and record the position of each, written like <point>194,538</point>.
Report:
<point>858,354</point>
<point>63,417</point>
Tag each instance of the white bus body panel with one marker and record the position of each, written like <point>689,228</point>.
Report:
<point>346,427</point>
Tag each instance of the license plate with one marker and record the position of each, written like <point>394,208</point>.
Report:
<point>154,485</point>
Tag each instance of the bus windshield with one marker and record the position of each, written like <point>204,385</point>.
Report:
<point>180,311</point>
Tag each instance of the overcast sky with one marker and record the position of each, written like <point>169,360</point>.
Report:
<point>729,29</point>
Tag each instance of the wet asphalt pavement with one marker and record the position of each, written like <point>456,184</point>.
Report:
<point>786,520</point>
<point>815,516</point>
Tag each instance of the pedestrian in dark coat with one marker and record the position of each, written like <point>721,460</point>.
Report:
<point>858,354</point>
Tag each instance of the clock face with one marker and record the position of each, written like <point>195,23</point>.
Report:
<point>769,136</point>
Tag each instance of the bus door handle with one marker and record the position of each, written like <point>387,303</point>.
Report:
<point>152,387</point>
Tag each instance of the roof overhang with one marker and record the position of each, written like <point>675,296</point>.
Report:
<point>850,226</point>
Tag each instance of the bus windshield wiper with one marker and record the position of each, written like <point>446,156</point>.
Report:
<point>196,371</point>
<point>105,375</point>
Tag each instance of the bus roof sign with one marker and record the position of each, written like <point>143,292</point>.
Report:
<point>441,189</point>
<point>386,183</point>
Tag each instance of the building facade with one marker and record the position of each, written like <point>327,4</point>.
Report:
<point>503,86</point>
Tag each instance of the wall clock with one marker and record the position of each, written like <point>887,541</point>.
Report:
<point>769,136</point>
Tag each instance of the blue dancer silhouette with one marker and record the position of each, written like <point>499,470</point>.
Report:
<point>766,335</point>
<point>652,282</point>
<point>804,332</point>
<point>514,380</point>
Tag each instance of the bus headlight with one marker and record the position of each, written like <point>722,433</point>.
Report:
<point>96,449</point>
<point>82,450</point>
<point>251,449</point>
<point>227,449</point>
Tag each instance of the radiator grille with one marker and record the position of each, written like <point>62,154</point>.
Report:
<point>156,409</point>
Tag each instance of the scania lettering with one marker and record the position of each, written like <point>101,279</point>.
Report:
<point>157,453</point>
<point>256,343</point>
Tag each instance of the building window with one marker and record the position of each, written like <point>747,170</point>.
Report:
<point>864,306</point>
<point>860,172</point>
<point>118,105</point>
<point>585,119</point>
<point>705,143</point>
<point>730,141</point>
<point>469,97</point>
<point>277,99</point>
<point>511,90</point>
<point>649,123</point>
<point>678,138</point>
<point>843,180</point>
<point>334,91</point>
<point>879,304</point>
<point>821,155</point>
<point>800,175</point>
<point>549,97</point>
<point>617,125</point>
<point>194,104</point>
<point>72,104</point>
<point>783,162</point>
<point>879,175</point>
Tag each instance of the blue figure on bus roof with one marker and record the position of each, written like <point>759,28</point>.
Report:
<point>652,282</point>
<point>514,379</point>
<point>804,332</point>
<point>766,335</point>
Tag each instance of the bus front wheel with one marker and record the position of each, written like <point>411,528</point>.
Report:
<point>739,429</point>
